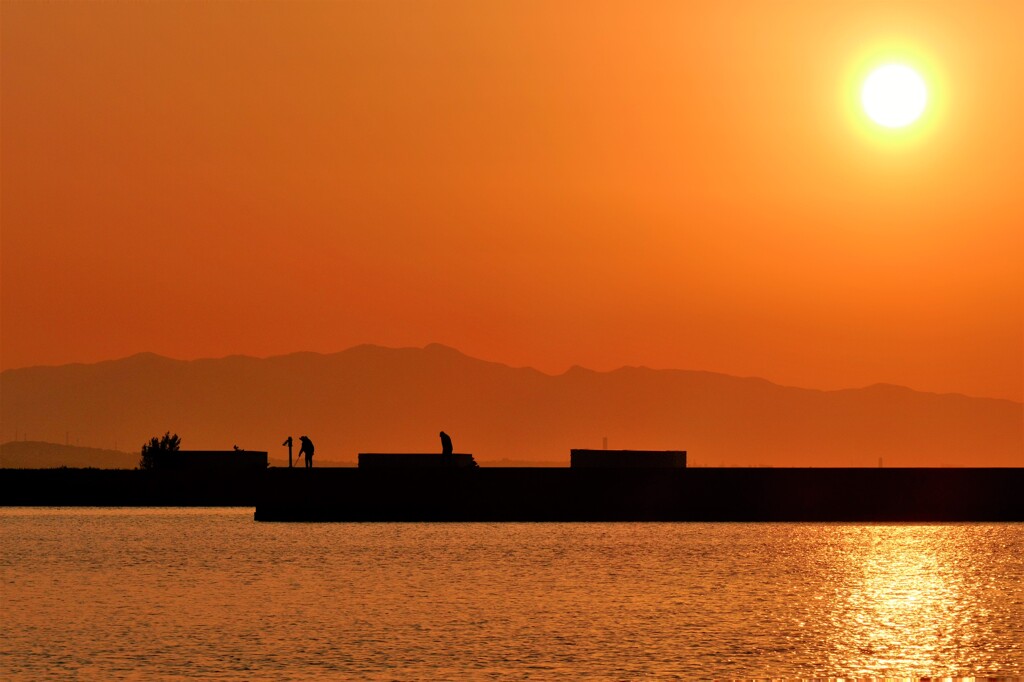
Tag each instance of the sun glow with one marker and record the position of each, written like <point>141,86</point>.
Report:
<point>894,96</point>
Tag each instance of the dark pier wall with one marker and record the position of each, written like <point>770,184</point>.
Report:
<point>522,494</point>
<point>129,488</point>
<point>544,494</point>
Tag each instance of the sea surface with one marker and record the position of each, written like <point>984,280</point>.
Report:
<point>210,594</point>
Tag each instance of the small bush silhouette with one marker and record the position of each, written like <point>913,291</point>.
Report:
<point>156,452</point>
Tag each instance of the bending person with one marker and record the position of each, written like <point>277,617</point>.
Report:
<point>307,450</point>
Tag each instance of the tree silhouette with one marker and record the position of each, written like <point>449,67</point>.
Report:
<point>157,450</point>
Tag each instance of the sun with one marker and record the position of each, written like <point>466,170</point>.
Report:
<point>894,95</point>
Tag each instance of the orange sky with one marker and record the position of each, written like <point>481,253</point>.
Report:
<point>539,183</point>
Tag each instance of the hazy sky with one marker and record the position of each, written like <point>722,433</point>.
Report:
<point>540,183</point>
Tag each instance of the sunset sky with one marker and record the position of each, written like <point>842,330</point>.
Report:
<point>668,184</point>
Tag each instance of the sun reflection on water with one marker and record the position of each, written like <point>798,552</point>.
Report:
<point>904,601</point>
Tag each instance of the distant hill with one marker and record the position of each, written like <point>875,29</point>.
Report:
<point>33,454</point>
<point>370,398</point>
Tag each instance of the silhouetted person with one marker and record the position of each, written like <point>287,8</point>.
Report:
<point>288,442</point>
<point>307,450</point>
<point>446,448</point>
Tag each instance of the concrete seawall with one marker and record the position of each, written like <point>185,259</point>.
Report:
<point>545,494</point>
<point>129,488</point>
<point>534,494</point>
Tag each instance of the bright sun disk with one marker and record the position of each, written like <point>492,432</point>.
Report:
<point>894,96</point>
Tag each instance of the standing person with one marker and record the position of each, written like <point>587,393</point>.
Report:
<point>307,450</point>
<point>288,442</point>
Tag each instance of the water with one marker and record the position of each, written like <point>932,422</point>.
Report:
<point>210,594</point>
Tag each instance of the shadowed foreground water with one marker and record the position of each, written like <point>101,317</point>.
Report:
<point>208,593</point>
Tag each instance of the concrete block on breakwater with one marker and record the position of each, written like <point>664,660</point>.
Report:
<point>627,459</point>
<point>413,460</point>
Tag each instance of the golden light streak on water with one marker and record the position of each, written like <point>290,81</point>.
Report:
<point>907,600</point>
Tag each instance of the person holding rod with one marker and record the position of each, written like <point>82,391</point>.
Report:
<point>307,450</point>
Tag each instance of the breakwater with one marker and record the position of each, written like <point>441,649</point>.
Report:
<point>725,494</point>
<point>129,488</point>
<point>545,494</point>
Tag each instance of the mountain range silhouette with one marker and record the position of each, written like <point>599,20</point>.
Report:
<point>370,398</point>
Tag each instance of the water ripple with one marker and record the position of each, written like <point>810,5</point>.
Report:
<point>209,594</point>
